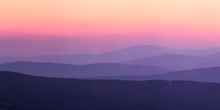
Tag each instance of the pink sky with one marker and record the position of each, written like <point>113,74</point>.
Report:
<point>94,26</point>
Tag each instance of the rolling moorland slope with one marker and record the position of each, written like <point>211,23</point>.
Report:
<point>77,71</point>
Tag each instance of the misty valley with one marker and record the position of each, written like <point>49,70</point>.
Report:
<point>165,79</point>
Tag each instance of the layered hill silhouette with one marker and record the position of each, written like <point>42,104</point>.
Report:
<point>22,92</point>
<point>201,75</point>
<point>122,55</point>
<point>77,71</point>
<point>179,62</point>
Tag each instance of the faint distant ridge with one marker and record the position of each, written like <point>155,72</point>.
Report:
<point>140,51</point>
<point>117,56</point>
<point>129,53</point>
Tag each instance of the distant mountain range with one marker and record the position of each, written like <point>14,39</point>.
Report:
<point>126,54</point>
<point>77,71</point>
<point>22,92</point>
<point>112,71</point>
<point>202,75</point>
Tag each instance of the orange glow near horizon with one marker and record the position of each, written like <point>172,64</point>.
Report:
<point>41,27</point>
<point>104,17</point>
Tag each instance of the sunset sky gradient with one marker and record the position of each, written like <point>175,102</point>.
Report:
<point>95,26</point>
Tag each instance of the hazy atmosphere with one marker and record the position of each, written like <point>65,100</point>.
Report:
<point>109,54</point>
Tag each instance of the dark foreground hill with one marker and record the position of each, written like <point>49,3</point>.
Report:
<point>76,71</point>
<point>21,92</point>
<point>211,74</point>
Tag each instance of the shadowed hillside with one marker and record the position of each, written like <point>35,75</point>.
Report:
<point>179,62</point>
<point>202,75</point>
